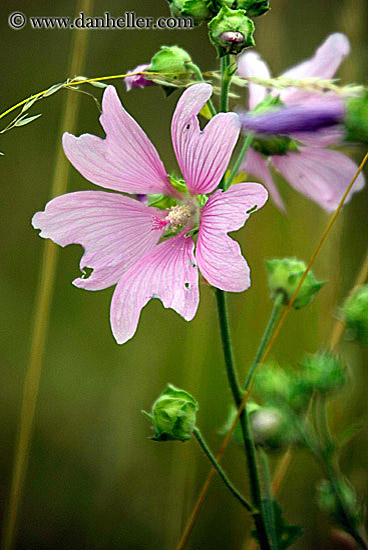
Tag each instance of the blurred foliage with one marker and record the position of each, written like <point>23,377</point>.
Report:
<point>95,480</point>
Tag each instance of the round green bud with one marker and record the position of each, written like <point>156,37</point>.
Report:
<point>173,415</point>
<point>284,276</point>
<point>169,60</point>
<point>355,313</point>
<point>254,8</point>
<point>231,31</point>
<point>323,372</point>
<point>272,428</point>
<point>281,388</point>
<point>356,119</point>
<point>330,504</point>
<point>198,10</point>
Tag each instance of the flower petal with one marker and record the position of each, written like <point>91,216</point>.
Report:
<point>169,273</point>
<point>320,174</point>
<point>251,64</point>
<point>114,230</point>
<point>323,64</point>
<point>219,257</point>
<point>255,165</point>
<point>126,160</point>
<point>202,156</point>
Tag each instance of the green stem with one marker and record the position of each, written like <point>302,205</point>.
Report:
<point>197,71</point>
<point>221,472</point>
<point>225,83</point>
<point>265,339</point>
<point>268,508</point>
<point>227,347</point>
<point>236,390</point>
<point>247,143</point>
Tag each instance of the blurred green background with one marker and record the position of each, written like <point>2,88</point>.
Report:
<point>95,480</point>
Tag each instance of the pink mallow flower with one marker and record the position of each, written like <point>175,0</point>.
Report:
<point>148,252</point>
<point>317,172</point>
<point>134,80</point>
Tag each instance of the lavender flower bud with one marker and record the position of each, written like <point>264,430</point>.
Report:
<point>173,415</point>
<point>138,80</point>
<point>231,31</point>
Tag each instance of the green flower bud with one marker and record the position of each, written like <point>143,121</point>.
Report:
<point>254,8</point>
<point>280,388</point>
<point>330,504</point>
<point>284,276</point>
<point>272,428</point>
<point>231,31</point>
<point>323,372</point>
<point>173,415</point>
<point>169,59</point>
<point>198,10</point>
<point>356,119</point>
<point>355,313</point>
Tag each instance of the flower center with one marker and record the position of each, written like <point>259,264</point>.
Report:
<point>178,217</point>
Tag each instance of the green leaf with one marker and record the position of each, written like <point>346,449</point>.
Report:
<point>53,89</point>
<point>24,121</point>
<point>286,534</point>
<point>29,103</point>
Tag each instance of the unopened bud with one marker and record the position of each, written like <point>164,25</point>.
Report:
<point>254,8</point>
<point>231,31</point>
<point>323,372</point>
<point>284,276</point>
<point>198,10</point>
<point>173,415</point>
<point>355,312</point>
<point>170,60</point>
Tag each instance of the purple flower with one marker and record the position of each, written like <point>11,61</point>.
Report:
<point>324,112</point>
<point>317,172</point>
<point>138,80</point>
<point>124,239</point>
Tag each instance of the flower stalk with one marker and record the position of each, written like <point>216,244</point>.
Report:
<point>225,479</point>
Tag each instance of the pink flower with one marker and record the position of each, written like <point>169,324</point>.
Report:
<point>124,239</point>
<point>317,172</point>
<point>138,80</point>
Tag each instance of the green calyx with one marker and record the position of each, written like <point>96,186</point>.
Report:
<point>231,31</point>
<point>356,119</point>
<point>170,61</point>
<point>163,202</point>
<point>323,372</point>
<point>284,276</point>
<point>274,145</point>
<point>355,315</point>
<point>173,415</point>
